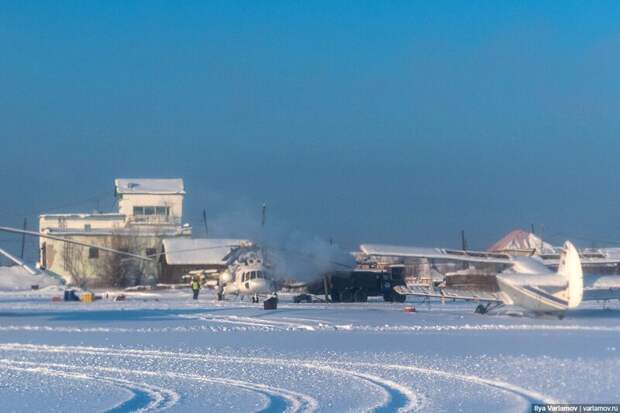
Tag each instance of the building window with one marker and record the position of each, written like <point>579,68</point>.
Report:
<point>151,210</point>
<point>87,227</point>
<point>93,252</point>
<point>150,252</point>
<point>162,211</point>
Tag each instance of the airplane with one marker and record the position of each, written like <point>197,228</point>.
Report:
<point>522,281</point>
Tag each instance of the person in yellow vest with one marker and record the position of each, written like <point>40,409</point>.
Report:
<point>195,287</point>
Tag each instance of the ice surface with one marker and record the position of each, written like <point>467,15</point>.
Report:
<point>163,351</point>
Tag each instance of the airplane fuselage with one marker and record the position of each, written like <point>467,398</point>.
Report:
<point>537,298</point>
<point>249,280</point>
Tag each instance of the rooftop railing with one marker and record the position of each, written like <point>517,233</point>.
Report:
<point>154,219</point>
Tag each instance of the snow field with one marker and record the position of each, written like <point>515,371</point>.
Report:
<point>163,352</point>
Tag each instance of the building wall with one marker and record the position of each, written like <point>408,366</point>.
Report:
<point>127,202</point>
<point>107,222</point>
<point>77,266</point>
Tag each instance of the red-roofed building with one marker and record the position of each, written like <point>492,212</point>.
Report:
<point>521,242</point>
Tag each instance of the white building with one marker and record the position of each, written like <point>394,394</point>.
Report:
<point>149,211</point>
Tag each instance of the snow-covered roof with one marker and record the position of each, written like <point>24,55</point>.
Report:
<point>400,251</point>
<point>520,240</point>
<point>613,252</point>
<point>200,251</point>
<point>143,231</point>
<point>93,216</point>
<point>149,186</point>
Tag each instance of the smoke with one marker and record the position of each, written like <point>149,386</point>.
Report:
<point>303,257</point>
<point>293,253</point>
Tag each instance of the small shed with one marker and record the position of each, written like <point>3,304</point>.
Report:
<point>181,255</point>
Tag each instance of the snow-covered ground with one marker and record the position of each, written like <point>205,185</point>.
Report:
<point>163,351</point>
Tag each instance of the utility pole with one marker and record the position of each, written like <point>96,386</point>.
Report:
<point>204,220</point>
<point>463,241</point>
<point>264,214</point>
<point>24,239</point>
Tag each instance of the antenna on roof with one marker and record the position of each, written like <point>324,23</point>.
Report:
<point>24,239</point>
<point>533,230</point>
<point>463,241</point>
<point>264,214</point>
<point>204,220</point>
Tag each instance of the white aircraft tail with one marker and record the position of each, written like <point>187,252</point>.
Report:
<point>570,269</point>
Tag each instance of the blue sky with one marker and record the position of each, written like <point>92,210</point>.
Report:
<point>399,122</point>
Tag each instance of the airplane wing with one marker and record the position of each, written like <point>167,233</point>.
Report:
<point>601,294</point>
<point>590,257</point>
<point>589,294</point>
<point>586,261</point>
<point>18,262</point>
<point>450,293</point>
<point>435,254</point>
<point>601,288</point>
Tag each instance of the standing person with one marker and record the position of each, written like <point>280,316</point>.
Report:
<point>195,287</point>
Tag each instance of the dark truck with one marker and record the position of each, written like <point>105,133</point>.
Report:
<point>357,285</point>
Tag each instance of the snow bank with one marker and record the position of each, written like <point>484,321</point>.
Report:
<point>16,278</point>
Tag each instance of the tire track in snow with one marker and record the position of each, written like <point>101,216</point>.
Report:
<point>529,396</point>
<point>145,398</point>
<point>395,396</point>
<point>391,389</point>
<point>273,325</point>
<point>277,399</point>
<point>280,324</point>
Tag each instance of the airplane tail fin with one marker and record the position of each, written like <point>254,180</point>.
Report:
<point>570,269</point>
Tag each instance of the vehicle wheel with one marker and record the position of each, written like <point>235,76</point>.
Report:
<point>335,295</point>
<point>387,297</point>
<point>360,296</point>
<point>347,296</point>
<point>398,298</point>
